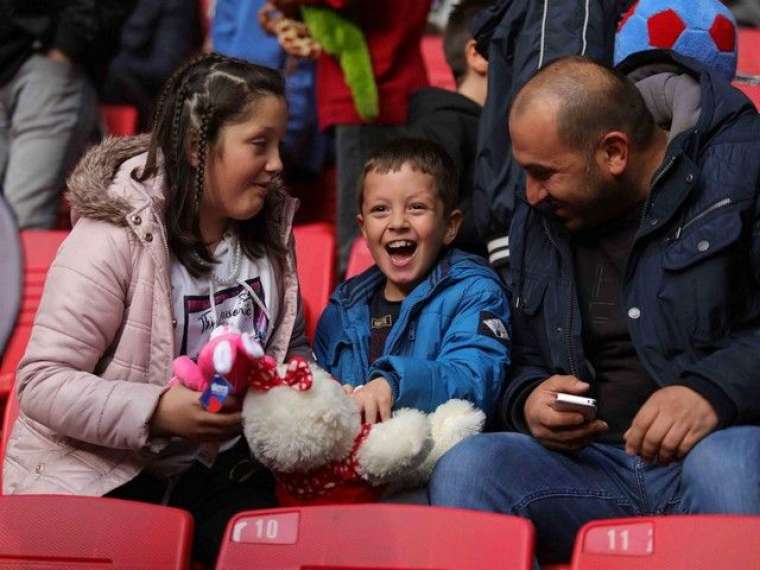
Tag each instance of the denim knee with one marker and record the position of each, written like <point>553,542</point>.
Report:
<point>473,472</point>
<point>721,474</point>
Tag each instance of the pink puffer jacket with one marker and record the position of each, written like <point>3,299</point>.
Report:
<point>102,345</point>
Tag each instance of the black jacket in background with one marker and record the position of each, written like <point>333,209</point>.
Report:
<point>451,120</point>
<point>519,37</point>
<point>87,31</point>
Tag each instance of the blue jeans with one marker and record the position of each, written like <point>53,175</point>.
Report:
<point>514,474</point>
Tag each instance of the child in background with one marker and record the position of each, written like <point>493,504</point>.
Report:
<point>426,323</point>
<point>451,118</point>
<point>177,233</point>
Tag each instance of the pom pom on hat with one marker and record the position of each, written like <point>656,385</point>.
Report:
<point>704,30</point>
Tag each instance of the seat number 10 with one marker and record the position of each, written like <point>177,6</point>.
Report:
<point>280,528</point>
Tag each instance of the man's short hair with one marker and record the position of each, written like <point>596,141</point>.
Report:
<point>592,100</point>
<point>457,33</point>
<point>423,155</point>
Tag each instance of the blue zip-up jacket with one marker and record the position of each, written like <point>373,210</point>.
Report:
<point>444,344</point>
<point>691,288</point>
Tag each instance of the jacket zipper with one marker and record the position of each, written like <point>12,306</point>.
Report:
<point>571,305</point>
<point>664,170</point>
<point>720,204</point>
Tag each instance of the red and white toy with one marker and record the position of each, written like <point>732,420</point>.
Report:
<point>301,424</point>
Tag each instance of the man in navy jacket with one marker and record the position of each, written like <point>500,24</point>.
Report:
<point>634,278</point>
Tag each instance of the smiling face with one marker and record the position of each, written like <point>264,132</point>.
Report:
<point>560,181</point>
<point>242,163</point>
<point>403,219</point>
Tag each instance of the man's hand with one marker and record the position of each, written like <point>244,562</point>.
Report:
<point>563,431</point>
<point>179,413</point>
<point>375,400</point>
<point>669,424</point>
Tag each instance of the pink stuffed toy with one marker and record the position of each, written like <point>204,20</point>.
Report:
<point>224,366</point>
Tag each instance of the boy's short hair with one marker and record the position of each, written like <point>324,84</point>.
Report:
<point>422,155</point>
<point>457,34</point>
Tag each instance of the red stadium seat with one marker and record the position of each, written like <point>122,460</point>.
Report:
<point>121,120</point>
<point>748,57</point>
<point>315,250</point>
<point>438,71</point>
<point>376,537</point>
<point>751,91</point>
<point>39,248</point>
<point>695,542</point>
<point>359,258</point>
<point>11,411</point>
<point>68,532</point>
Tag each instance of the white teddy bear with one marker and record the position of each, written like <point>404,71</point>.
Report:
<point>301,424</point>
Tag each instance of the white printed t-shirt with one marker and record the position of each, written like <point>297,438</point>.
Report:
<point>197,316</point>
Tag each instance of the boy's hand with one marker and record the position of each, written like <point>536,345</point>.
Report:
<point>564,431</point>
<point>179,413</point>
<point>374,399</point>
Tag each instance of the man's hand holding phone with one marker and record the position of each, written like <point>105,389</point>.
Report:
<point>563,423</point>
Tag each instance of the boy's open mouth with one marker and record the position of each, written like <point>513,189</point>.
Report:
<point>401,251</point>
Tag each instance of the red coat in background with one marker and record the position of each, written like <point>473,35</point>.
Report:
<point>393,30</point>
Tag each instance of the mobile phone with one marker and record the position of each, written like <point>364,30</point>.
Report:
<point>580,404</point>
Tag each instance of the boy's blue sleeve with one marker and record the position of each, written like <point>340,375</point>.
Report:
<point>472,362</point>
<point>325,336</point>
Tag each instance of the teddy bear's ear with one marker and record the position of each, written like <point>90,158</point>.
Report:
<point>223,357</point>
<point>251,346</point>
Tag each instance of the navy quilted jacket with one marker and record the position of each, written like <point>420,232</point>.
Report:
<point>692,284</point>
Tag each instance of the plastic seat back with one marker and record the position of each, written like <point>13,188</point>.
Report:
<point>9,416</point>
<point>69,532</point>
<point>376,537</point>
<point>120,120</point>
<point>359,258</point>
<point>39,248</point>
<point>695,542</point>
<point>315,250</point>
<point>748,56</point>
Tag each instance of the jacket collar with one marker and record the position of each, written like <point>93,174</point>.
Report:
<point>363,286</point>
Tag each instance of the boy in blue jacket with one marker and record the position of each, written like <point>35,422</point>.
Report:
<point>426,323</point>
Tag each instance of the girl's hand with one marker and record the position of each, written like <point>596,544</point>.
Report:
<point>179,413</point>
<point>375,400</point>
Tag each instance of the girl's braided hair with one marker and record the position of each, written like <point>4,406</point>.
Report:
<point>198,100</point>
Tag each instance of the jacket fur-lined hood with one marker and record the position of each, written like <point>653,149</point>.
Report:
<point>91,191</point>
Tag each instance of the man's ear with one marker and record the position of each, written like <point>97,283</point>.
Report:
<point>475,61</point>
<point>613,152</point>
<point>452,226</point>
<point>360,223</point>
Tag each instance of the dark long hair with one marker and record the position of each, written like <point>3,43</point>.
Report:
<point>197,101</point>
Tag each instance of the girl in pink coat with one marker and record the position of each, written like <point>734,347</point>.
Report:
<point>174,234</point>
